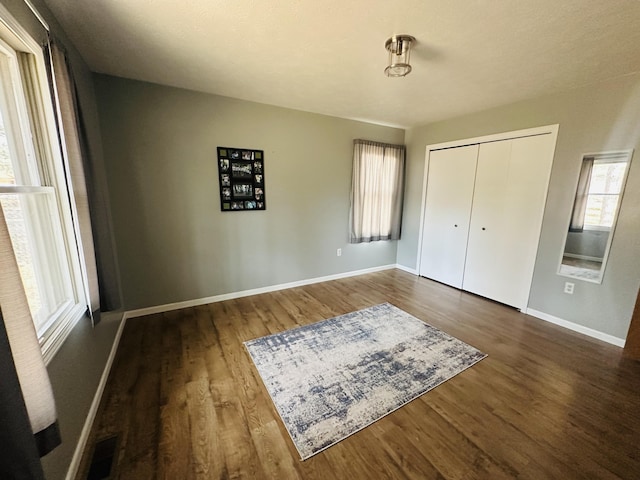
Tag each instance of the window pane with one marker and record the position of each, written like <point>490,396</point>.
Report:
<point>7,176</point>
<point>22,249</point>
<point>34,230</point>
<point>601,210</point>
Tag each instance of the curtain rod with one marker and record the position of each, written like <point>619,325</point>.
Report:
<point>37,15</point>
<point>379,144</point>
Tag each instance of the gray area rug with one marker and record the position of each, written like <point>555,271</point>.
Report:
<point>332,378</point>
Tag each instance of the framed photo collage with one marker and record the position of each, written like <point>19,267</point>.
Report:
<point>241,176</point>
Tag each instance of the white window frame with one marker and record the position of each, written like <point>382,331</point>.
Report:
<point>16,39</point>
<point>613,158</point>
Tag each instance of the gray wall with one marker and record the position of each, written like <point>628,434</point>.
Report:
<point>74,373</point>
<point>597,118</point>
<point>175,244</point>
<point>589,243</point>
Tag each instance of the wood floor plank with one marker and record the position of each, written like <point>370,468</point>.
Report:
<point>186,401</point>
<point>404,452</point>
<point>174,451</point>
<point>237,405</point>
<point>139,456</point>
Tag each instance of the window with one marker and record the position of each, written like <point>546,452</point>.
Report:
<point>600,186</point>
<point>376,191</point>
<point>34,199</point>
<point>596,204</point>
<point>605,186</point>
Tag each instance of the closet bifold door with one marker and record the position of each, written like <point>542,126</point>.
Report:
<point>450,179</point>
<point>508,204</point>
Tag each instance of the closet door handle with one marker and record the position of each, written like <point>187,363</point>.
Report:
<point>456,225</point>
<point>483,228</point>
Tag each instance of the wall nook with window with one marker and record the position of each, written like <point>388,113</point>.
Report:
<point>42,294</point>
<point>593,217</point>
<point>376,191</point>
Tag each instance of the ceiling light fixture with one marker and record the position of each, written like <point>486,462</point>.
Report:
<point>399,47</point>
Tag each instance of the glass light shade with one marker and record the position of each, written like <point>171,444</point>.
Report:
<point>399,47</point>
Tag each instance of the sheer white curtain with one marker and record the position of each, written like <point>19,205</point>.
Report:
<point>376,191</point>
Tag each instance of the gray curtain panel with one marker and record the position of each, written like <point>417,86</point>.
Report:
<point>376,191</point>
<point>89,186</point>
<point>582,195</point>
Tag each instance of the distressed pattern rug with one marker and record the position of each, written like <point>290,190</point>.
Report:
<point>333,378</point>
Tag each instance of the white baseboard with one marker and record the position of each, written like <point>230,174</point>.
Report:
<point>246,293</point>
<point>412,271</point>
<point>72,472</point>
<point>583,257</point>
<point>605,337</point>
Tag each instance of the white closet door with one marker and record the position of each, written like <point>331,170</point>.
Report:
<point>508,204</point>
<point>450,182</point>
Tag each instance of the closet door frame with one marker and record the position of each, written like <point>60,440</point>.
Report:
<point>529,132</point>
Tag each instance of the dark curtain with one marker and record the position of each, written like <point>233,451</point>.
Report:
<point>19,456</point>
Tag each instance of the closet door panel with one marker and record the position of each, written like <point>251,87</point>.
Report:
<point>530,167</point>
<point>511,189</point>
<point>450,183</point>
<point>484,268</point>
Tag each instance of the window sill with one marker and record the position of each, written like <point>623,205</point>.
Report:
<point>52,343</point>
<point>593,228</point>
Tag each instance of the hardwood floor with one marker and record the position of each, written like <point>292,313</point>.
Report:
<point>185,400</point>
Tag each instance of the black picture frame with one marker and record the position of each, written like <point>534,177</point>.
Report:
<point>241,179</point>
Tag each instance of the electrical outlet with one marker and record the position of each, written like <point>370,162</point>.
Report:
<point>339,252</point>
<point>568,287</point>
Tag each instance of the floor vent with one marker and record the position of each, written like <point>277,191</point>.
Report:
<point>102,459</point>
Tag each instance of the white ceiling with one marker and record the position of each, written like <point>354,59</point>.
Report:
<point>328,56</point>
